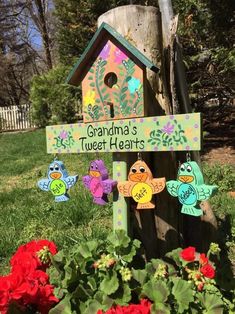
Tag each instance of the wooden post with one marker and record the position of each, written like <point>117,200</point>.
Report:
<point>120,207</point>
<point>141,25</point>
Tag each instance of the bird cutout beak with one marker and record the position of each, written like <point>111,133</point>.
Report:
<point>138,177</point>
<point>55,175</point>
<point>93,173</point>
<point>186,179</point>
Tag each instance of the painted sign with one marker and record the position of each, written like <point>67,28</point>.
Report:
<point>162,133</point>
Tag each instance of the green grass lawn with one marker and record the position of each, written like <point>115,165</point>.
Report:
<point>27,212</point>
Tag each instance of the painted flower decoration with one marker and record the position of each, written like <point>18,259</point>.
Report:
<point>104,54</point>
<point>63,135</point>
<point>133,85</point>
<point>119,56</point>
<point>168,128</point>
<point>89,98</point>
<point>188,254</point>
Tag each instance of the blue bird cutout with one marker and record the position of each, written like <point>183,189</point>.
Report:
<point>58,181</point>
<point>190,188</point>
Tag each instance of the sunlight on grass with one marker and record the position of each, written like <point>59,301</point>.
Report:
<point>28,213</point>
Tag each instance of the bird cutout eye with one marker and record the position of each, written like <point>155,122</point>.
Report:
<point>92,167</point>
<point>142,169</point>
<point>57,168</point>
<point>96,167</point>
<point>133,170</point>
<point>189,168</point>
<point>51,168</point>
<point>182,167</point>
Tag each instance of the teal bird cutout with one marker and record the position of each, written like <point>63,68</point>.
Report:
<point>190,188</point>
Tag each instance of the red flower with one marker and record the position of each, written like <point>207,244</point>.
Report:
<point>142,308</point>
<point>23,262</point>
<point>208,271</point>
<point>188,254</point>
<point>203,259</point>
<point>32,248</point>
<point>4,293</point>
<point>28,283</point>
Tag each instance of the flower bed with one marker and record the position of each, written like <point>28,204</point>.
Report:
<point>111,278</point>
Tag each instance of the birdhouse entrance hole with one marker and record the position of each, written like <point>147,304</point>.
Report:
<point>110,79</point>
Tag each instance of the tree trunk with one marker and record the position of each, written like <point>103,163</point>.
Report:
<point>160,230</point>
<point>44,32</point>
<point>141,25</point>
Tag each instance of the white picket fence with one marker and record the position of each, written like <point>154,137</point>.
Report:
<point>14,118</point>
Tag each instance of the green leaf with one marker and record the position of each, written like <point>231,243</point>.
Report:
<point>103,90</point>
<point>156,290</point>
<point>109,284</point>
<point>92,84</point>
<point>119,238</point>
<point>124,89</point>
<point>86,249</point>
<point>90,78</point>
<point>128,78</point>
<point>160,308</point>
<point>183,293</point>
<point>175,256</point>
<point>63,307</point>
<point>123,97</point>
<point>92,283</point>
<point>211,302</point>
<point>139,275</point>
<point>122,296</point>
<point>91,70</point>
<point>92,306</point>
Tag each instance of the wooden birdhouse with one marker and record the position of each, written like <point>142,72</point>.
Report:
<point>113,76</point>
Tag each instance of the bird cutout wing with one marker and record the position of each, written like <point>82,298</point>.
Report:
<point>71,180</point>
<point>124,188</point>
<point>86,181</point>
<point>172,187</point>
<point>108,185</point>
<point>205,191</point>
<point>44,184</point>
<point>158,185</point>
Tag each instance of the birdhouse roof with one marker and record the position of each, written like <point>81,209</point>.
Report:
<point>77,73</point>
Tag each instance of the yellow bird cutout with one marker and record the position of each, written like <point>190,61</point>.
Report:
<point>141,185</point>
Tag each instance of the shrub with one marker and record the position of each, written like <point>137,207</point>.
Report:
<point>53,101</point>
<point>109,277</point>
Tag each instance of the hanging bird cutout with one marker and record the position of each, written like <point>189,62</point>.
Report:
<point>190,188</point>
<point>141,185</point>
<point>58,181</point>
<point>98,182</point>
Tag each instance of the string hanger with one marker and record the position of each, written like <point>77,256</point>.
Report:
<point>188,156</point>
<point>55,157</point>
<point>139,156</point>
